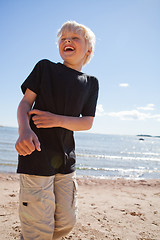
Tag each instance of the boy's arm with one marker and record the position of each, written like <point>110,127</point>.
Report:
<point>44,119</point>
<point>27,141</point>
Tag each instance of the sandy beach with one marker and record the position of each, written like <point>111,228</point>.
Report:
<point>108,209</point>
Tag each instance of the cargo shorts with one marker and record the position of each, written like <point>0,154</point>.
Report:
<point>47,206</point>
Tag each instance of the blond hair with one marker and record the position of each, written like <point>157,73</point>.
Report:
<point>73,26</point>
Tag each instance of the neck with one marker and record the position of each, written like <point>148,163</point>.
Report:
<point>77,67</point>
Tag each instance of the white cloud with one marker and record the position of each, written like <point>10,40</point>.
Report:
<point>99,110</point>
<point>156,117</point>
<point>148,107</point>
<point>124,85</point>
<point>129,115</point>
<point>134,115</point>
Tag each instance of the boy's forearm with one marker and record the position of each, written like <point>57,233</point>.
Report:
<point>22,115</point>
<point>76,123</point>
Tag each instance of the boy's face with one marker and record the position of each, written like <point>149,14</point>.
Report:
<point>73,49</point>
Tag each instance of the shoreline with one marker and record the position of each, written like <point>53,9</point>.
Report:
<point>117,209</point>
<point>103,178</point>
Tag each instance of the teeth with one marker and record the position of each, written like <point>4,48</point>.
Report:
<point>70,48</point>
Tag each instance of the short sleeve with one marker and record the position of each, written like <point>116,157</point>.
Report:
<point>89,107</point>
<point>33,80</point>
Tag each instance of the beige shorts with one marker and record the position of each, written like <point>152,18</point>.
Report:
<point>47,206</point>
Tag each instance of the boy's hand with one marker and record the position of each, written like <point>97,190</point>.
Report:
<point>27,143</point>
<point>43,119</point>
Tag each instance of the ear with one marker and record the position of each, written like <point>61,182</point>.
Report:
<point>89,51</point>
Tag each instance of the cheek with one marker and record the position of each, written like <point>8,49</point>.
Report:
<point>84,47</point>
<point>60,48</point>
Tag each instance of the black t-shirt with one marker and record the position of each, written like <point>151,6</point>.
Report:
<point>64,91</point>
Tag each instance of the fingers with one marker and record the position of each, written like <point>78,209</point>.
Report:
<point>21,150</point>
<point>37,143</point>
<point>24,147</point>
<point>35,111</point>
<point>37,118</point>
<point>27,146</point>
<point>37,121</point>
<point>43,119</point>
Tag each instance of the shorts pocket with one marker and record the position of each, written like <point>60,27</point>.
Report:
<point>31,206</point>
<point>75,194</point>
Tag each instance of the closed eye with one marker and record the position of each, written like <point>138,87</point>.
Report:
<point>75,38</point>
<point>63,39</point>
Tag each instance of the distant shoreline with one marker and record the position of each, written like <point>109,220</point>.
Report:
<point>88,132</point>
<point>143,135</point>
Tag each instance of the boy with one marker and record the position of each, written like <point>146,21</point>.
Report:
<point>58,99</point>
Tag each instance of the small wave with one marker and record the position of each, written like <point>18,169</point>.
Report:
<point>8,164</point>
<point>141,153</point>
<point>141,170</point>
<point>119,173</point>
<point>116,157</point>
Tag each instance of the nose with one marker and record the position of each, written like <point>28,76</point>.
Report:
<point>68,40</point>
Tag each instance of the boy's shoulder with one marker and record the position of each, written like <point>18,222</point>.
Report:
<point>45,61</point>
<point>92,78</point>
<point>46,64</point>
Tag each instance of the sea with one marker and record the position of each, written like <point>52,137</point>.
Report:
<point>98,155</point>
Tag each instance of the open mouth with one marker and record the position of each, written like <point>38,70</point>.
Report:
<point>68,49</point>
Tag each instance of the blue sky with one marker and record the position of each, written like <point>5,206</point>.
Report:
<point>126,61</point>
